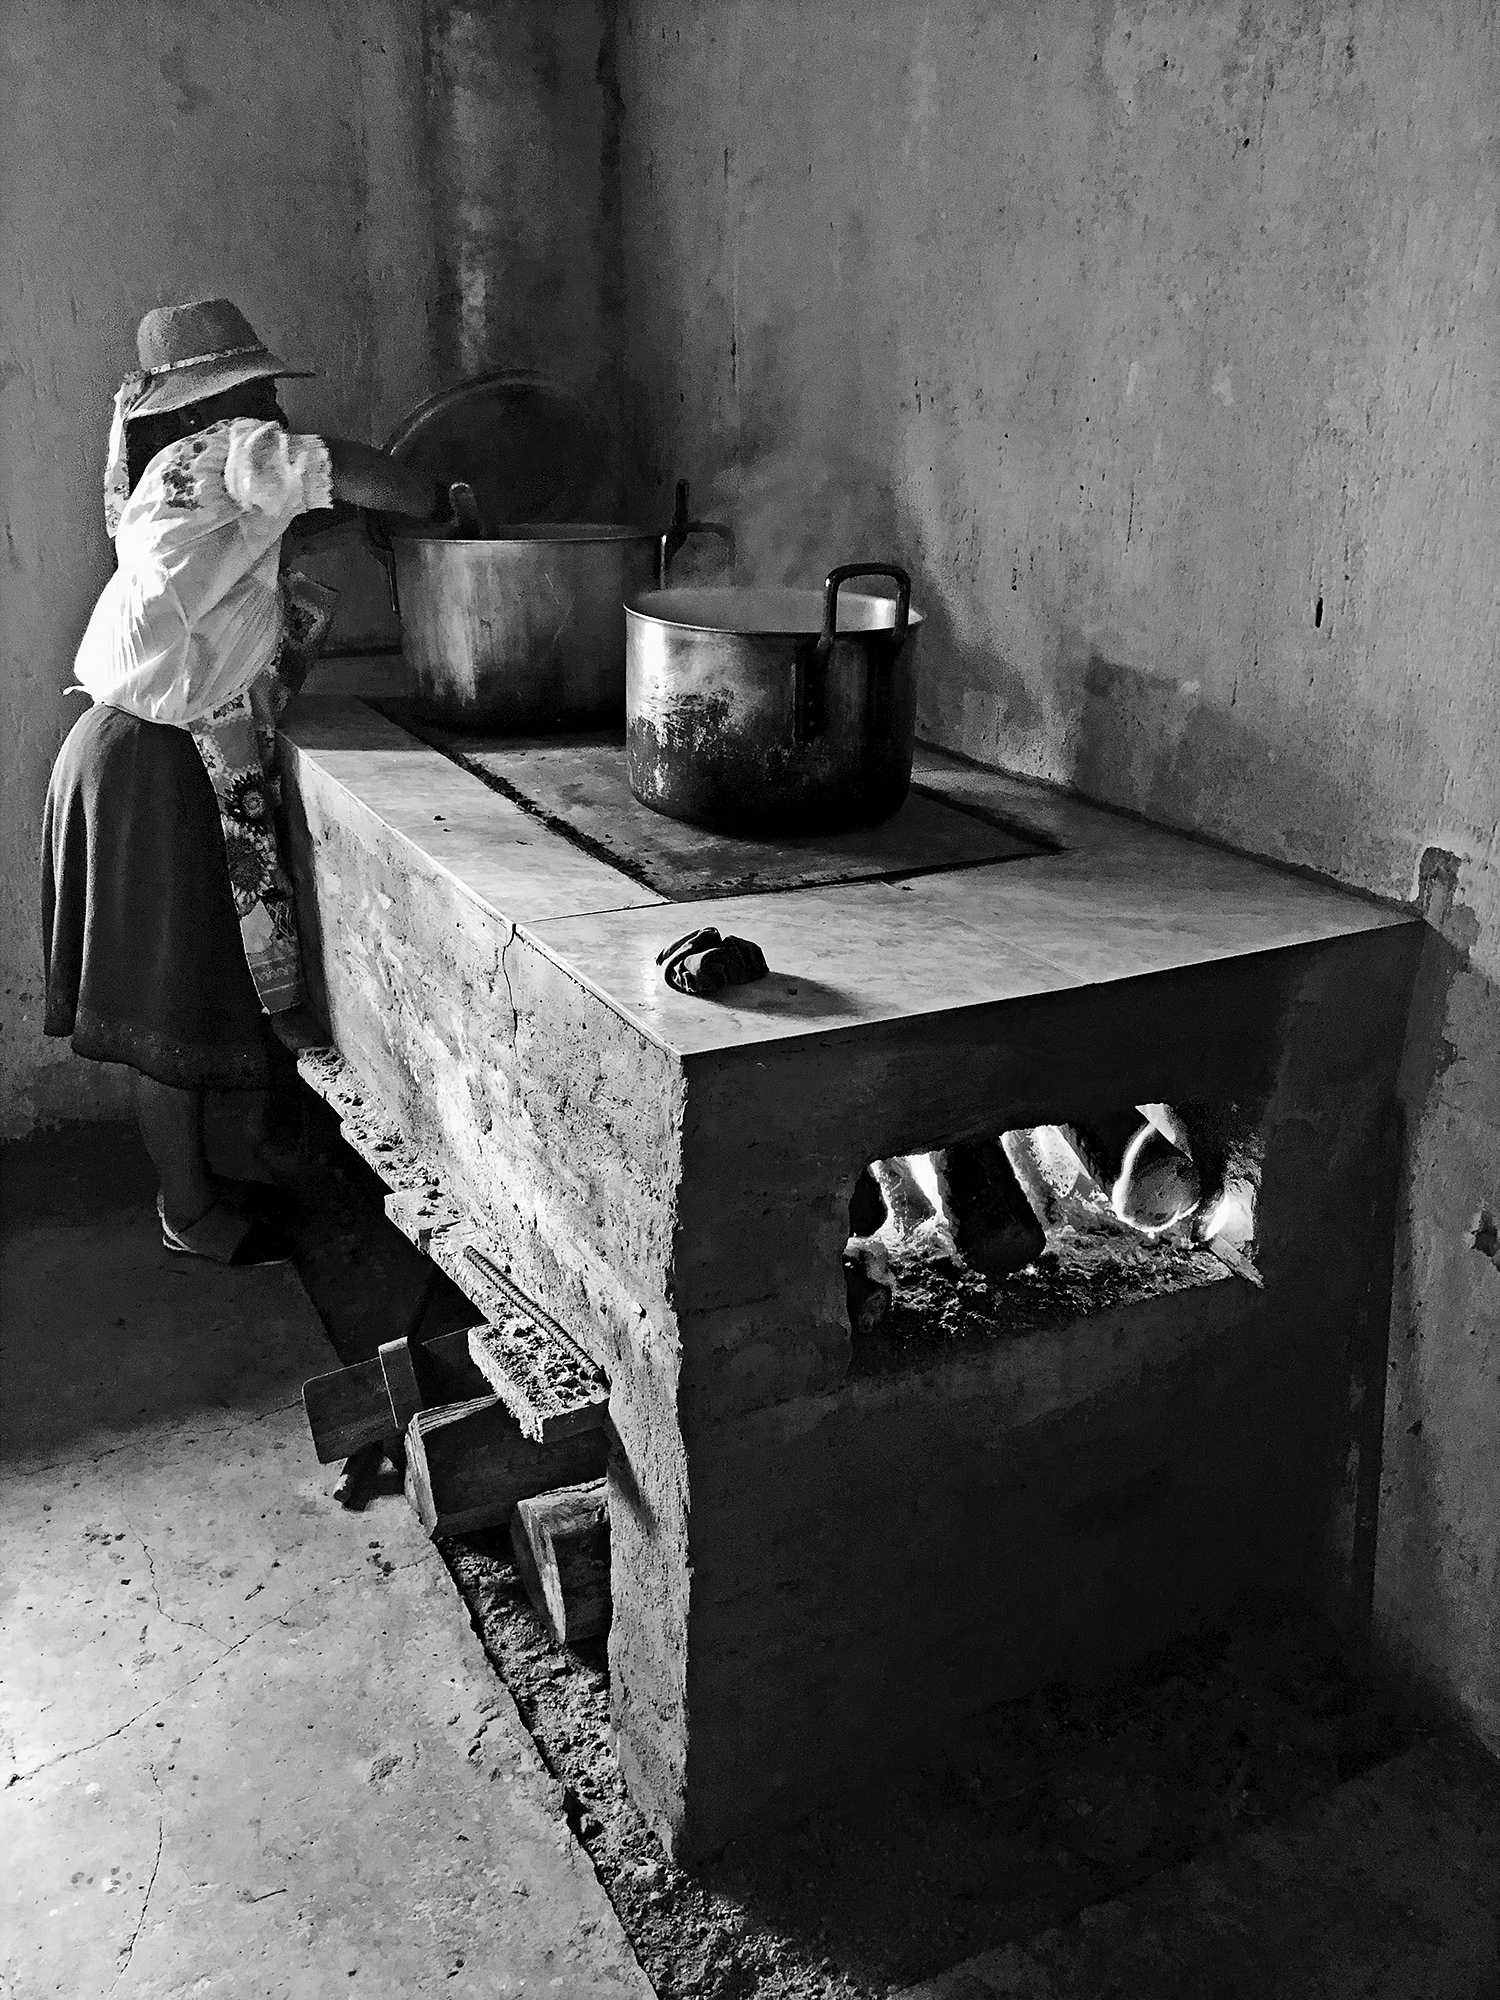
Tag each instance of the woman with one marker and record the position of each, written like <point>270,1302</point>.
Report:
<point>167,917</point>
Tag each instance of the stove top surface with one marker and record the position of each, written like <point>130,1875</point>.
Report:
<point>577,786</point>
<point>1089,896</point>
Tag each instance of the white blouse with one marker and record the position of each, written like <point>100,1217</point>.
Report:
<point>193,613</point>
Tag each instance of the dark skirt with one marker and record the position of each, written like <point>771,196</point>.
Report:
<point>144,960</point>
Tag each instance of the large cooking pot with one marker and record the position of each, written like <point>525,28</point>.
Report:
<point>516,622</point>
<point>763,712</point>
<point>523,630</point>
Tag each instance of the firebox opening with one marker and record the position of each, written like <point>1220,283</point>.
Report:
<point>995,1237</point>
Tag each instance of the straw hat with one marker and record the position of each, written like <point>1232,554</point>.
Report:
<point>190,352</point>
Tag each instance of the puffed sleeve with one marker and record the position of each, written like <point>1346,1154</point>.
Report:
<point>274,472</point>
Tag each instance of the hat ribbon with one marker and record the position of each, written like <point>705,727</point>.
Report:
<point>218,354</point>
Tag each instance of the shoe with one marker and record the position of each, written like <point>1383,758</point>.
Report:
<point>224,1237</point>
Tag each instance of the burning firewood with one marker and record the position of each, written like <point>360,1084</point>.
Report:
<point>1149,1183</point>
<point>918,1222</point>
<point>988,1206</point>
<point>961,1206</point>
<point>995,1226</point>
<point>1157,1186</point>
<point>1154,1166</point>
<point>1049,1166</point>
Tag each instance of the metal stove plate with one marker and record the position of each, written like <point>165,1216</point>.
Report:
<point>577,785</point>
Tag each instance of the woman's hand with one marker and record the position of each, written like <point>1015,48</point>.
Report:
<point>369,478</point>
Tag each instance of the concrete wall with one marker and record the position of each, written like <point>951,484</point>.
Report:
<point>1159,342</point>
<point>397,192</point>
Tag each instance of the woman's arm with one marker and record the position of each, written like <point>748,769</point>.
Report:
<point>321,521</point>
<point>366,477</point>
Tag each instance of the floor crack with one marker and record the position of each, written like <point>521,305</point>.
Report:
<point>363,1576</point>
<point>133,1443</point>
<point>280,1618</point>
<point>187,1624</point>
<point>140,1923</point>
<point>83,1749</point>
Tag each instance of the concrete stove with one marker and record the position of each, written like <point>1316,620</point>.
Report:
<point>814,1563</point>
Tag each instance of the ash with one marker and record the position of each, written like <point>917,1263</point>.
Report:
<point>1092,1264</point>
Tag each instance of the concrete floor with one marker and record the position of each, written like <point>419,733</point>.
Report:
<point>1388,1889</point>
<point>252,1745</point>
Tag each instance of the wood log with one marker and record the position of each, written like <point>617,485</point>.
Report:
<point>351,1407</point>
<point>994,1225</point>
<point>908,1205</point>
<point>561,1544</point>
<point>467,1464</point>
<point>1158,1185</point>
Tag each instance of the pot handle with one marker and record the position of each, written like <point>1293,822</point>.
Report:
<point>841,575</point>
<point>378,538</point>
<point>674,537</point>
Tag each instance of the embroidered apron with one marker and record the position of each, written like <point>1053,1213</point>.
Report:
<point>238,746</point>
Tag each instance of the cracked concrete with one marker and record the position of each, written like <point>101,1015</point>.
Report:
<point>253,1745</point>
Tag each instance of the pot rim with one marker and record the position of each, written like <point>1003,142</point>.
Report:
<point>531,535</point>
<point>804,599</point>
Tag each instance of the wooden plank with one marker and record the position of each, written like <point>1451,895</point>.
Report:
<point>350,1407</point>
<point>561,1545</point>
<point>467,1465</point>
<point>445,1371</point>
<point>1236,1260</point>
<point>399,1367</point>
<point>547,1381</point>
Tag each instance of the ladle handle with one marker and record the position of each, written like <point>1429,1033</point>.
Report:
<point>465,508</point>
<point>841,575</point>
<point>378,536</point>
<point>673,537</point>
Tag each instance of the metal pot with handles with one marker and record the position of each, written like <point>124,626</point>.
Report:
<point>523,629</point>
<point>516,622</point>
<point>763,712</point>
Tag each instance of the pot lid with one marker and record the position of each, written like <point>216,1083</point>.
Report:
<point>532,449</point>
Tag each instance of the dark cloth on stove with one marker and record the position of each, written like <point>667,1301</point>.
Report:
<point>703,962</point>
<point>144,958</point>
